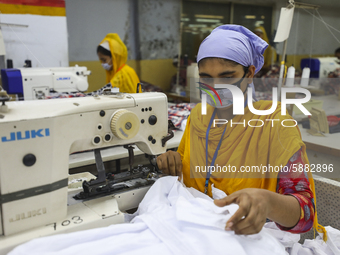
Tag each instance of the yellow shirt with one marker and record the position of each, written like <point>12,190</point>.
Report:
<point>242,146</point>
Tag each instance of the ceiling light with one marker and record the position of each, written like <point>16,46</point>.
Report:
<point>208,16</point>
<point>208,20</point>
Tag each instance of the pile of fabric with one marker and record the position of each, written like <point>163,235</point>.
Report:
<point>54,95</point>
<point>179,114</point>
<point>173,219</point>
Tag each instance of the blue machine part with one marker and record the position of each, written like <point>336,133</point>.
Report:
<point>313,64</point>
<point>12,81</point>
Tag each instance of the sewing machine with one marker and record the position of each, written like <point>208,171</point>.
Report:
<point>36,83</point>
<point>37,195</point>
<point>320,67</point>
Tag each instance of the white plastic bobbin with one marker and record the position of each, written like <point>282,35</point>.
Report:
<point>290,77</point>
<point>305,77</point>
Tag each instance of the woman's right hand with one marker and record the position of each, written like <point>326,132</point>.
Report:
<point>170,163</point>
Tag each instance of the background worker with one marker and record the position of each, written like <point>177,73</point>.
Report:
<point>269,54</point>
<point>113,54</point>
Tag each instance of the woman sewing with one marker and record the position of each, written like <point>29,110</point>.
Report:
<point>112,54</point>
<point>285,197</point>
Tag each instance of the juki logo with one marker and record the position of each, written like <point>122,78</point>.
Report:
<point>28,134</point>
<point>29,214</point>
<point>63,78</point>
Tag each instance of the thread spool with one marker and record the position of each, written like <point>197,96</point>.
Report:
<point>305,77</point>
<point>290,77</point>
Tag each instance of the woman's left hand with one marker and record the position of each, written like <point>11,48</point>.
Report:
<point>253,209</point>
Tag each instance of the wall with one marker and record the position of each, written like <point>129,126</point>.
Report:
<point>44,41</point>
<point>159,32</point>
<point>149,28</point>
<point>159,24</point>
<point>89,21</point>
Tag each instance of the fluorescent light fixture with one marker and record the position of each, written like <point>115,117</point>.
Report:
<point>208,16</point>
<point>185,19</point>
<point>208,20</point>
<point>197,25</point>
<point>250,17</point>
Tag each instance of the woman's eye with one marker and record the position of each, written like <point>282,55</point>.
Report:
<point>228,80</point>
<point>206,80</point>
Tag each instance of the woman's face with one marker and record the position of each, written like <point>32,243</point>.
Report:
<point>104,59</point>
<point>219,69</point>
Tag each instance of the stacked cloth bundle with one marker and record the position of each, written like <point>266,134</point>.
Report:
<point>173,219</point>
<point>179,113</point>
<point>54,95</point>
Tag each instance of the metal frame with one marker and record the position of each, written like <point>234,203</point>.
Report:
<point>291,4</point>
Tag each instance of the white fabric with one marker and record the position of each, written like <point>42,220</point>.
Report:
<point>286,239</point>
<point>217,193</point>
<point>317,246</point>
<point>310,247</point>
<point>170,220</point>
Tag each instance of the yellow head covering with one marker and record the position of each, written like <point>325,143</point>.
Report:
<point>264,34</point>
<point>118,51</point>
<point>121,75</point>
<point>270,53</point>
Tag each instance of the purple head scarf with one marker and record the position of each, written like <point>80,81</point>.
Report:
<point>235,43</point>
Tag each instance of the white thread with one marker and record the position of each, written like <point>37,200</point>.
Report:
<point>327,25</point>
<point>311,44</point>
<point>297,29</point>
<point>322,21</point>
<point>25,46</point>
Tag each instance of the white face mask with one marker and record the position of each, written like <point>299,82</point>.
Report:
<point>106,66</point>
<point>225,95</point>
